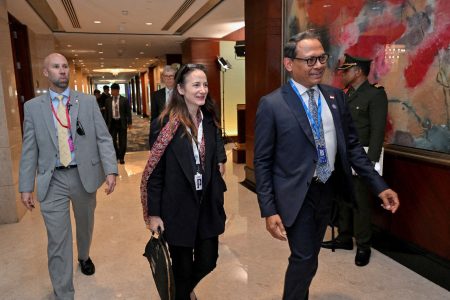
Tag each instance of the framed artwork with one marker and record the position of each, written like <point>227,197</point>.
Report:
<point>409,42</point>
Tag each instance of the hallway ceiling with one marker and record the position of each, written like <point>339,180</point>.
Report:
<point>132,33</point>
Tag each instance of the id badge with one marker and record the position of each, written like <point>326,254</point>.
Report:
<point>198,182</point>
<point>322,152</point>
<point>71,146</point>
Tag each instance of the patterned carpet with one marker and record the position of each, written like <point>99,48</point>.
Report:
<point>138,135</point>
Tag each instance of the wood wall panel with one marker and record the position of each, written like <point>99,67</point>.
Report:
<point>205,52</point>
<point>424,191</point>
<point>262,62</point>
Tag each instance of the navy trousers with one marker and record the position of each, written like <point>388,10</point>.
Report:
<point>305,237</point>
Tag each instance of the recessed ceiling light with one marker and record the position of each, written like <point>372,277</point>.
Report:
<point>69,46</point>
<point>97,22</point>
<point>148,23</point>
<point>141,52</point>
<point>148,44</point>
<point>100,52</point>
<point>80,60</point>
<point>137,58</point>
<point>101,58</point>
<point>100,44</point>
<point>72,50</point>
<point>76,55</point>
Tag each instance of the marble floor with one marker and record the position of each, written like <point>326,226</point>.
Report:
<point>251,263</point>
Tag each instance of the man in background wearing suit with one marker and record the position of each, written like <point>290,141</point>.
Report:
<point>368,106</point>
<point>118,118</point>
<point>67,148</point>
<point>305,146</point>
<point>102,100</point>
<point>161,97</point>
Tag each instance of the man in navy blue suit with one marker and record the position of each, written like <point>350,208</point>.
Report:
<point>305,146</point>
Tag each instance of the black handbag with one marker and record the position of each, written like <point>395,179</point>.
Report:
<point>158,256</point>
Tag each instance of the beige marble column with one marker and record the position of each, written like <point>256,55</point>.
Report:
<point>11,210</point>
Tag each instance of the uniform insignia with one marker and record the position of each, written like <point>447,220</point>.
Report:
<point>332,97</point>
<point>376,85</point>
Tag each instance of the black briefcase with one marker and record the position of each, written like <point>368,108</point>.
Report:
<point>158,256</point>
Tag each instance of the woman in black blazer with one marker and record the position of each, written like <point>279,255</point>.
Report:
<point>185,191</point>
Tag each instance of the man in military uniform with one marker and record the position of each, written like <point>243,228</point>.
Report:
<point>368,106</point>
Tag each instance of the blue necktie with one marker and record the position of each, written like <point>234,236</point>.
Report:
<point>323,170</point>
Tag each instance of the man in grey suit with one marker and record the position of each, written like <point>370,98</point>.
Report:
<point>68,150</point>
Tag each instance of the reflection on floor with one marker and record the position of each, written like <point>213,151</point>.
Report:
<point>251,263</point>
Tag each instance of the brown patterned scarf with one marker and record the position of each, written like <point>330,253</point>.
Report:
<point>157,151</point>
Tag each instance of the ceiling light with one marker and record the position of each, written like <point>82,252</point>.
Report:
<point>69,46</point>
<point>97,22</point>
<point>76,55</point>
<point>101,58</point>
<point>148,23</point>
<point>100,44</point>
<point>141,52</point>
<point>137,58</point>
<point>115,71</point>
<point>100,52</point>
<point>148,44</point>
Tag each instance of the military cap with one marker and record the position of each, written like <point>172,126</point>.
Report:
<point>352,61</point>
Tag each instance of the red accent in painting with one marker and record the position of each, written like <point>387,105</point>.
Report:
<point>420,62</point>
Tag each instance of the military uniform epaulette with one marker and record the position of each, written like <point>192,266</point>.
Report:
<point>376,85</point>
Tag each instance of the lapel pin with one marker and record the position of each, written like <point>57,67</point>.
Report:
<point>331,97</point>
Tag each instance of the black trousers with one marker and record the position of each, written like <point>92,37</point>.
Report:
<point>118,132</point>
<point>305,237</point>
<point>190,265</point>
<point>357,221</point>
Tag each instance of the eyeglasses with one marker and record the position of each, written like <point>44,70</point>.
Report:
<point>311,61</point>
<point>169,76</point>
<point>187,68</point>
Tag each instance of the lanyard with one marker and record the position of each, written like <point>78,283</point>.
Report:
<point>315,127</point>
<point>67,115</point>
<point>195,145</point>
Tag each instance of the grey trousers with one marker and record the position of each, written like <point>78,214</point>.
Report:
<point>65,187</point>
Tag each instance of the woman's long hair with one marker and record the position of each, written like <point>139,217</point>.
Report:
<point>177,107</point>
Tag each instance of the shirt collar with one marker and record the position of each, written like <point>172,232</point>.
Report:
<point>302,89</point>
<point>54,94</point>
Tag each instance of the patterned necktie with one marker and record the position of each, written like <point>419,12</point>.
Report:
<point>63,136</point>
<point>323,170</point>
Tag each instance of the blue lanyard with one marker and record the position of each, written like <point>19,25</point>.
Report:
<point>315,127</point>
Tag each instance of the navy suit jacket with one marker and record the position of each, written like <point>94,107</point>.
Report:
<point>286,157</point>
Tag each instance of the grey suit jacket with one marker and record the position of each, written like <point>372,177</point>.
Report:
<point>94,151</point>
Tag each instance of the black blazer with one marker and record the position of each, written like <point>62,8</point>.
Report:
<point>124,110</point>
<point>171,191</point>
<point>158,103</point>
<point>285,155</point>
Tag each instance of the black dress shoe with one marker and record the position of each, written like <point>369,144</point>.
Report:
<point>122,161</point>
<point>87,266</point>
<point>362,257</point>
<point>338,244</point>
